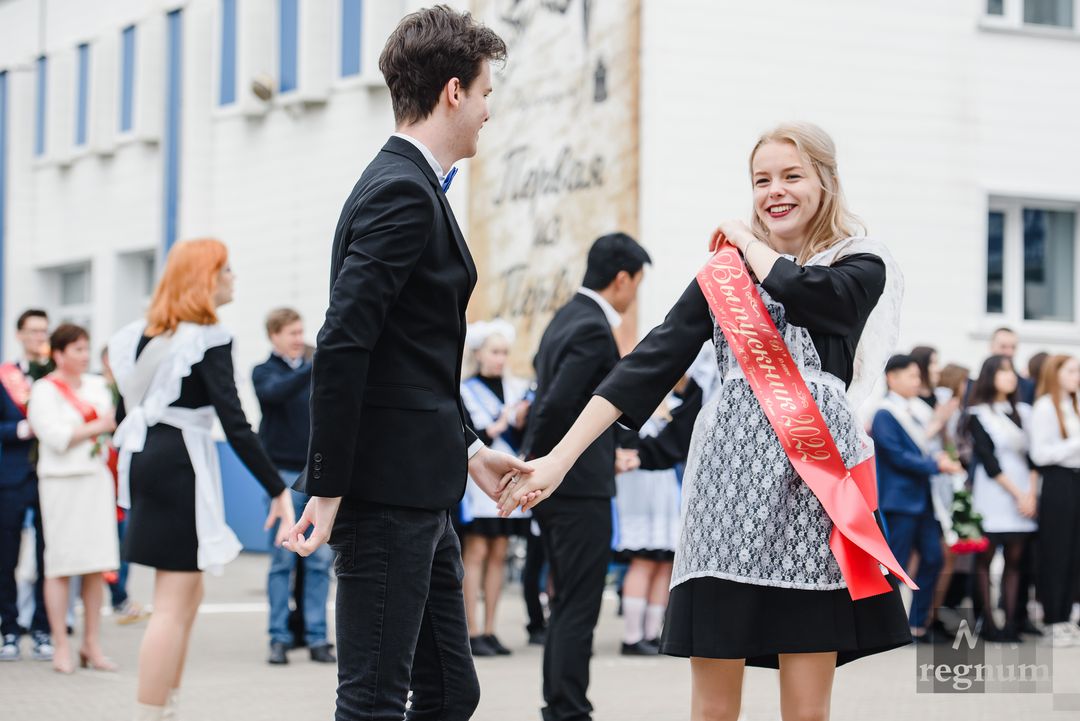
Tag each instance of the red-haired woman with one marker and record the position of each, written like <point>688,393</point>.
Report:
<point>175,374</point>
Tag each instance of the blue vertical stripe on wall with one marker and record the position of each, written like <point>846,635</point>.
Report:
<point>352,25</point>
<point>81,99</point>
<point>173,78</point>
<point>3,191</point>
<point>288,42</point>
<point>227,95</point>
<point>127,79</point>
<point>40,106</point>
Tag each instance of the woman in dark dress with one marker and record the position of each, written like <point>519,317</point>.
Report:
<point>755,581</point>
<point>175,375</point>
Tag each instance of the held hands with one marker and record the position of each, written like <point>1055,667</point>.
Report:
<point>547,473</point>
<point>319,514</point>
<point>491,469</point>
<point>1027,504</point>
<point>282,513</point>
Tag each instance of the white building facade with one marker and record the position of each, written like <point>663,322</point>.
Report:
<point>128,124</point>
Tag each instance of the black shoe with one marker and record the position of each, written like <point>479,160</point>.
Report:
<point>639,649</point>
<point>481,646</point>
<point>538,638</point>
<point>1001,635</point>
<point>654,642</point>
<point>499,649</point>
<point>323,653</point>
<point>277,653</point>
<point>1028,628</point>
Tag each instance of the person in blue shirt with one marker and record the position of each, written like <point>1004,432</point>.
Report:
<point>904,469</point>
<point>283,387</point>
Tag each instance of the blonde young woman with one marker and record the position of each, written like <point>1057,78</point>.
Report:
<point>755,582</point>
<point>175,374</point>
<point>496,405</point>
<point>69,411</point>
<point>1055,449</point>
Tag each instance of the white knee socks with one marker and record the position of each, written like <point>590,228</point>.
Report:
<point>633,610</point>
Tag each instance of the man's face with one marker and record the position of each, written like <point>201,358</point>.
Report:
<point>472,111</point>
<point>1003,343</point>
<point>905,382</point>
<point>289,341</point>
<point>34,336</point>
<point>626,287</point>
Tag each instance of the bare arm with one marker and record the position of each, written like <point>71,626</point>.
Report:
<point>549,471</point>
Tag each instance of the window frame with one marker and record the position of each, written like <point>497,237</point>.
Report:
<point>1013,263</point>
<point>288,54</point>
<point>82,95</point>
<point>228,60</point>
<point>1012,20</point>
<point>129,39</point>
<point>41,105</point>
<point>343,14</point>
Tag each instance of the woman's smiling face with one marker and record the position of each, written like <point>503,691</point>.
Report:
<point>787,191</point>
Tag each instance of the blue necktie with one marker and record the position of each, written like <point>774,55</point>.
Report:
<point>448,179</point>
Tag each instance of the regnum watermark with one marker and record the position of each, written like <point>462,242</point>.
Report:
<point>963,662</point>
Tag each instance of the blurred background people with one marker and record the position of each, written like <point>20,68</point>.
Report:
<point>497,409</point>
<point>283,386</point>
<point>19,488</point>
<point>1005,487</point>
<point>1055,449</point>
<point>905,465</point>
<point>70,412</point>
<point>647,505</point>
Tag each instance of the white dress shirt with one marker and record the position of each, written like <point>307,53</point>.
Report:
<point>1048,448</point>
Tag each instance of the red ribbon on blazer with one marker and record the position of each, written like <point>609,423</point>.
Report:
<point>848,496</point>
<point>16,384</point>
<point>86,410</point>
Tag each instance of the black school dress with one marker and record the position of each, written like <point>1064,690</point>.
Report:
<point>754,576</point>
<point>161,522</point>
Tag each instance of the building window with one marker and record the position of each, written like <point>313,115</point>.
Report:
<point>81,94</point>
<point>227,95</point>
<point>995,263</point>
<point>1031,261</point>
<point>995,7</point>
<point>39,106</point>
<point>1057,13</point>
<point>127,79</point>
<point>1049,264</point>
<point>351,30</point>
<point>72,294</point>
<point>288,44</point>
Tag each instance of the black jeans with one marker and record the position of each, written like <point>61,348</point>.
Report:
<point>401,616</point>
<point>530,582</point>
<point>14,502</point>
<point>577,536</point>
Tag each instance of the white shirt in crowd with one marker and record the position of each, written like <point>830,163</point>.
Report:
<point>1048,448</point>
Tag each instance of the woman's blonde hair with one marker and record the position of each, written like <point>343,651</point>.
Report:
<point>833,221</point>
<point>185,292</point>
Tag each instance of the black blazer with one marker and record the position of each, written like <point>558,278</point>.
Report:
<point>387,424</point>
<point>576,352</point>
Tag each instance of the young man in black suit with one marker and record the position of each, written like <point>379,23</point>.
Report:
<point>576,352</point>
<point>389,448</point>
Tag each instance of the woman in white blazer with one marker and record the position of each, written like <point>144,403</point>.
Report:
<point>70,412</point>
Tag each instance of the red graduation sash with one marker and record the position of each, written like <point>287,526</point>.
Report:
<point>848,496</point>
<point>87,411</point>
<point>16,384</point>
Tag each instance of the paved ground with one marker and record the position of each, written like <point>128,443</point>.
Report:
<point>228,679</point>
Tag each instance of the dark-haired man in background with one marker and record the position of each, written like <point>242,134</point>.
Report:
<point>390,451</point>
<point>576,352</point>
<point>18,485</point>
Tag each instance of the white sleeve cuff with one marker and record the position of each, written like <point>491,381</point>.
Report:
<point>476,447</point>
<point>23,430</point>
